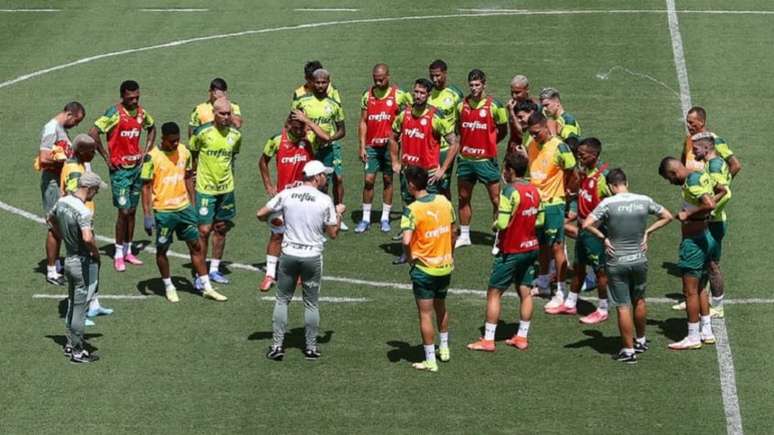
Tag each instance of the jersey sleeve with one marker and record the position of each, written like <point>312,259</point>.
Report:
<point>84,219</point>
<point>698,185</point>
<point>238,142</point>
<point>195,143</point>
<point>564,157</point>
<point>364,100</point>
<point>235,110</point>
<point>148,121</point>
<point>442,126</point>
<point>272,146</point>
<point>600,211</point>
<point>408,221</point>
<point>509,201</point>
<point>570,126</point>
<point>334,93</point>
<point>715,170</point>
<point>146,173</point>
<point>397,122</point>
<point>48,137</point>
<point>602,188</point>
<point>338,114</point>
<point>330,213</point>
<point>404,99</point>
<point>499,113</point>
<point>722,148</point>
<point>106,122</point>
<point>654,207</point>
<point>276,203</point>
<point>193,119</point>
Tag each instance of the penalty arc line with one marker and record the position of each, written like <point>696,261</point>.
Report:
<point>379,284</point>
<point>725,356</point>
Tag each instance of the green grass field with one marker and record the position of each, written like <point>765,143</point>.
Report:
<point>198,366</point>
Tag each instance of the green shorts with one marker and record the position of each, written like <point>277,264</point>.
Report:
<point>589,250</point>
<point>330,156</point>
<point>49,190</point>
<point>378,160</point>
<point>183,223</point>
<point>215,207</point>
<point>626,282</point>
<point>517,269</point>
<point>407,197</point>
<point>718,230</point>
<point>695,254</point>
<point>485,171</point>
<point>126,185</point>
<point>552,230</point>
<point>427,286</point>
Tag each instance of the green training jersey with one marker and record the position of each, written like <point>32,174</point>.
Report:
<point>301,91</point>
<point>696,185</point>
<point>568,126</point>
<point>325,112</point>
<point>718,171</point>
<point>446,99</point>
<point>110,119</point>
<point>509,201</point>
<point>402,97</point>
<point>441,127</point>
<point>215,149</point>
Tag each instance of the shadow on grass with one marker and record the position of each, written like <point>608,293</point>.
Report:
<point>61,340</point>
<point>155,286</point>
<point>598,342</point>
<point>376,216</point>
<point>393,248</point>
<point>672,269</point>
<point>41,267</point>
<point>109,249</point>
<point>674,329</point>
<point>481,238</point>
<point>504,330</point>
<point>294,339</point>
<point>403,351</point>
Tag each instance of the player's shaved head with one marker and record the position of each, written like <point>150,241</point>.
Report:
<point>321,73</point>
<point>381,67</point>
<point>221,109</point>
<point>221,104</point>
<point>671,169</point>
<point>704,138</point>
<point>591,144</point>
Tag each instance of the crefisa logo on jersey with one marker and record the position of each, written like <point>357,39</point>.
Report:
<point>298,158</point>
<point>414,133</point>
<point>135,132</point>
<point>378,117</point>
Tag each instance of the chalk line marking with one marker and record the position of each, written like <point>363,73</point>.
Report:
<point>174,10</point>
<point>328,299</point>
<point>29,10</point>
<point>491,10</point>
<point>326,9</point>
<point>379,284</point>
<point>606,75</point>
<point>723,347</point>
<point>101,296</point>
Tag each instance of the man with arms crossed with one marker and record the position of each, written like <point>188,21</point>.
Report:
<point>379,106</point>
<point>309,216</point>
<point>519,212</point>
<point>292,150</point>
<point>167,198</point>
<point>53,151</point>
<point>482,122</point>
<point>444,97</point>
<point>624,217</point>
<point>428,241</point>
<point>214,147</point>
<point>696,248</point>
<point>417,133</point>
<point>72,222</point>
<point>121,125</point>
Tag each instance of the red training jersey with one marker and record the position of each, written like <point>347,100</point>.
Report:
<point>124,138</point>
<point>478,132</point>
<point>419,146</point>
<point>520,236</point>
<point>291,158</point>
<point>380,113</point>
<point>588,193</point>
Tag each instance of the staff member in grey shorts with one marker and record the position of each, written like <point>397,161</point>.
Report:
<point>625,218</point>
<point>72,223</point>
<point>309,216</point>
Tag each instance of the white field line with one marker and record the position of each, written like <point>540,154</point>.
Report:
<point>606,75</point>
<point>723,347</point>
<point>379,284</point>
<point>329,299</point>
<point>491,10</point>
<point>29,10</point>
<point>174,10</point>
<point>326,10</point>
<point>101,296</point>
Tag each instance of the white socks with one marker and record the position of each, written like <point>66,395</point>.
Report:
<point>205,280</point>
<point>119,251</point>
<point>94,303</point>
<point>271,266</point>
<point>127,248</point>
<point>602,305</point>
<point>693,331</point>
<point>523,328</point>
<point>167,282</point>
<point>429,352</point>
<point>717,302</point>
<point>444,340</point>
<point>489,331</point>
<point>572,300</point>
<point>51,271</point>
<point>367,213</point>
<point>464,231</point>
<point>386,211</point>
<point>214,265</point>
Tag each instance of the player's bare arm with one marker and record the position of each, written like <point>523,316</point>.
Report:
<point>263,167</point>
<point>361,132</point>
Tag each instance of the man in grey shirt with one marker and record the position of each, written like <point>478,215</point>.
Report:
<point>309,216</point>
<point>71,221</point>
<point>53,151</point>
<point>624,216</point>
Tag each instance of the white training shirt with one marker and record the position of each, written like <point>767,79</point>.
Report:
<point>306,211</point>
<point>52,133</point>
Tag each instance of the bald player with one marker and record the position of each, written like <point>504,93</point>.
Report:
<point>519,94</point>
<point>695,123</point>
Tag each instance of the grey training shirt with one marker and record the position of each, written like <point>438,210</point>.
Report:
<point>625,216</point>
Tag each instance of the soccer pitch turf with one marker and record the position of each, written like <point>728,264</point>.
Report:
<point>198,366</point>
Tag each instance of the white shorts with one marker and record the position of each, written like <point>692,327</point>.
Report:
<point>276,224</point>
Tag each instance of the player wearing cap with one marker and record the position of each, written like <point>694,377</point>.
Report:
<point>122,124</point>
<point>519,214</point>
<point>309,216</point>
<point>621,223</point>
<point>167,198</point>
<point>482,122</point>
<point>73,224</point>
<point>379,106</point>
<point>291,150</point>
<point>53,151</point>
<point>428,226</point>
<point>83,149</point>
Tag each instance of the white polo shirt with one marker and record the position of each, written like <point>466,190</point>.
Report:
<point>306,211</point>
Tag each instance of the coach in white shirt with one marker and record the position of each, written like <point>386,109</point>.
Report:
<point>309,215</point>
